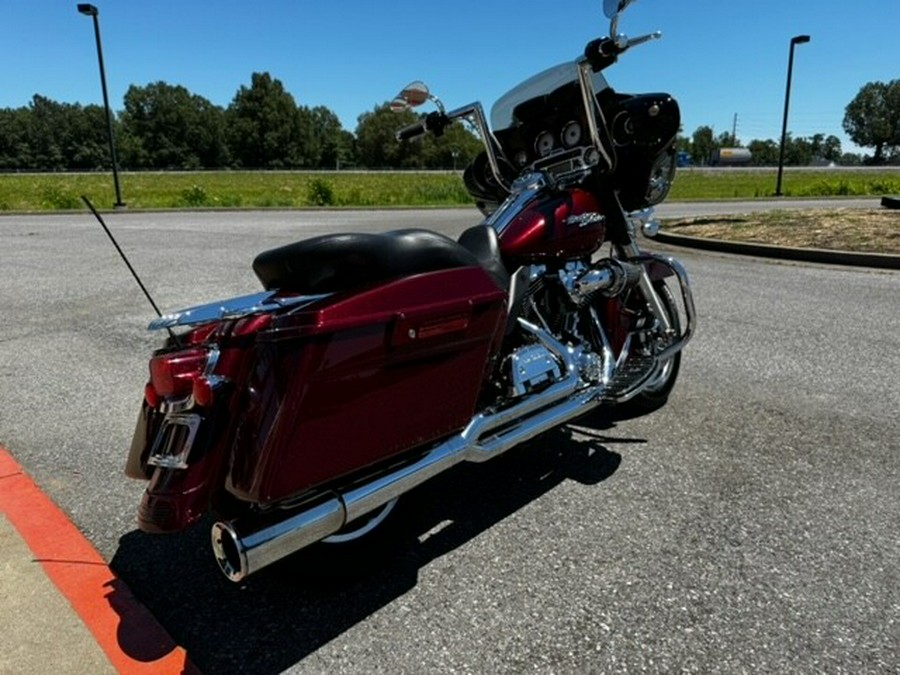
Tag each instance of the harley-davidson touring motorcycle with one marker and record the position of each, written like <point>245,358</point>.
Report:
<point>372,362</point>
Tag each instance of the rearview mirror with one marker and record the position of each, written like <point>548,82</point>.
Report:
<point>413,95</point>
<point>613,7</point>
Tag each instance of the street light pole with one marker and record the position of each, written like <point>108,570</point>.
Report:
<point>796,40</point>
<point>94,13</point>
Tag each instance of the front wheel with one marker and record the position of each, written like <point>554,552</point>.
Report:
<point>656,390</point>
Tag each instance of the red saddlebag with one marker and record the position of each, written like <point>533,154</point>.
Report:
<point>362,377</point>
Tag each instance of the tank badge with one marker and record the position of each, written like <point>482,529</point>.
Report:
<point>585,219</point>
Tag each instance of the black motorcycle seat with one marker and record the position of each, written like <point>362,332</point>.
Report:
<point>337,262</point>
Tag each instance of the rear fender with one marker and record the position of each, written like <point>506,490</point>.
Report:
<point>145,430</point>
<point>177,496</point>
<point>186,422</point>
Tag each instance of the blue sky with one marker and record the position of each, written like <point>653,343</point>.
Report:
<point>718,57</point>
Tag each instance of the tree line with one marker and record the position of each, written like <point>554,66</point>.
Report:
<point>166,127</point>
<point>798,151</point>
<point>871,120</point>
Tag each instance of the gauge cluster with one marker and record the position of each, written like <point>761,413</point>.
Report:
<point>546,128</point>
<point>568,137</point>
<point>559,146</point>
<point>554,144</point>
<point>546,142</point>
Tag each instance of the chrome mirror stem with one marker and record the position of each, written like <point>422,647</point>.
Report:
<point>593,111</point>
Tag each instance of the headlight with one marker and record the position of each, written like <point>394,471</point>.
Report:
<point>662,174</point>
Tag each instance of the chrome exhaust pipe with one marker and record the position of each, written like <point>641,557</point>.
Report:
<point>241,549</point>
<point>241,554</point>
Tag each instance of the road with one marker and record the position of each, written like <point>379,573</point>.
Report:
<point>751,525</point>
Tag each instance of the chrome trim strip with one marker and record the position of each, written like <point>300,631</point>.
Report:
<point>233,308</point>
<point>212,360</point>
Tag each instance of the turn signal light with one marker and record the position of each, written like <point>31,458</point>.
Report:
<point>151,396</point>
<point>204,394</point>
<point>173,374</point>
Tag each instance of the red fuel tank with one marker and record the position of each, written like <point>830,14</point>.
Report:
<point>561,227</point>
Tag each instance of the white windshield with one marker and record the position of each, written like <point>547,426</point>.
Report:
<point>538,85</point>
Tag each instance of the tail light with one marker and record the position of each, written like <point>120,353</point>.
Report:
<point>173,374</point>
<point>200,335</point>
<point>189,371</point>
<point>204,390</point>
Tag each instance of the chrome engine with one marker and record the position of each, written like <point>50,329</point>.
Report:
<point>609,276</point>
<point>531,368</point>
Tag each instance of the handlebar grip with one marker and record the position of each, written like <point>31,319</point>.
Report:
<point>600,47</point>
<point>602,53</point>
<point>410,132</point>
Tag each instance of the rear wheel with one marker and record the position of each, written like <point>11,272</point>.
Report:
<point>362,526</point>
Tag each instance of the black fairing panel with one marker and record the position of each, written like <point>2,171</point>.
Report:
<point>647,121</point>
<point>643,129</point>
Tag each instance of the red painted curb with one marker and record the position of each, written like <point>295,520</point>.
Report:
<point>130,636</point>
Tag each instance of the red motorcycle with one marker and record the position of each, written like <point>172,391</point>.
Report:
<point>372,362</point>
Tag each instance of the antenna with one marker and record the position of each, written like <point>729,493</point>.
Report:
<point>131,269</point>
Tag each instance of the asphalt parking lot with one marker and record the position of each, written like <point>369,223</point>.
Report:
<point>751,525</point>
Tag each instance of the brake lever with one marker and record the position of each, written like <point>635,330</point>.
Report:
<point>603,52</point>
<point>634,42</point>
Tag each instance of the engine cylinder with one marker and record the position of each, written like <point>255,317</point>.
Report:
<point>610,277</point>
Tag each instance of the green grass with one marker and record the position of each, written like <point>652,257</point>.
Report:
<point>705,184</point>
<point>248,189</point>
<point>232,189</point>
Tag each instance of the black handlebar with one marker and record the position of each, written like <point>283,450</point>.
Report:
<point>434,122</point>
<point>410,132</point>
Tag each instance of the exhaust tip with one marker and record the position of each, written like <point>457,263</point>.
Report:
<point>229,553</point>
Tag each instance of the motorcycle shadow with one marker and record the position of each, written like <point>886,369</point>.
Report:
<point>286,612</point>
